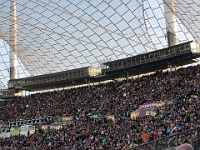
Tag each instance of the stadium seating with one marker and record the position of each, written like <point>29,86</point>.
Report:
<point>101,113</point>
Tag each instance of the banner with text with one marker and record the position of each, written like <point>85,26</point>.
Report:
<point>152,106</point>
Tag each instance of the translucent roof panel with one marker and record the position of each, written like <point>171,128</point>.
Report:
<point>60,35</point>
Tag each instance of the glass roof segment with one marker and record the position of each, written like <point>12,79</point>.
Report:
<point>60,35</point>
<point>5,65</point>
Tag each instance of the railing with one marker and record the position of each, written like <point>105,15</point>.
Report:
<point>191,136</point>
<point>19,123</point>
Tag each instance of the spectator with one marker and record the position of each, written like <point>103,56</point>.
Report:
<point>185,146</point>
<point>145,136</point>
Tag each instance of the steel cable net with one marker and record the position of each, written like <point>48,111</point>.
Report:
<point>59,35</point>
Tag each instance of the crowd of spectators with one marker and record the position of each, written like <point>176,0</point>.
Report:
<point>113,98</point>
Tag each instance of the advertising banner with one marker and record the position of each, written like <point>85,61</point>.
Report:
<point>135,114</point>
<point>95,116</point>
<point>110,117</point>
<point>142,113</point>
<point>25,130</point>
<point>55,127</point>
<point>45,127</point>
<point>5,135</point>
<point>68,118</point>
<point>152,105</point>
<point>147,112</point>
<point>14,132</point>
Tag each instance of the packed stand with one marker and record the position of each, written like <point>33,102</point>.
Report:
<point>114,98</point>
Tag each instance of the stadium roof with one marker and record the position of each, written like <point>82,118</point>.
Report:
<point>60,35</point>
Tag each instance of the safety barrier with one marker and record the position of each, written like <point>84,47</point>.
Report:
<point>19,123</point>
<point>191,136</point>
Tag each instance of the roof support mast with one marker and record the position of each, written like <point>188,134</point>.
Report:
<point>13,40</point>
<point>169,8</point>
